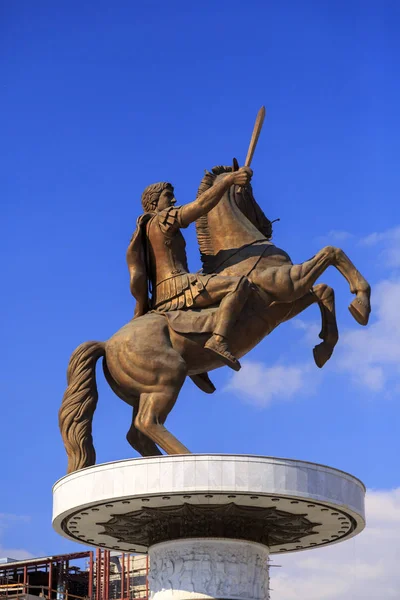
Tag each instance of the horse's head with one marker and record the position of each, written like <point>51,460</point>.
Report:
<point>237,220</point>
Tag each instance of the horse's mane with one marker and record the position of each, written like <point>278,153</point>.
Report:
<point>204,238</point>
<point>202,228</point>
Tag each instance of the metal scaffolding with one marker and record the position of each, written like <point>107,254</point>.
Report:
<point>82,576</point>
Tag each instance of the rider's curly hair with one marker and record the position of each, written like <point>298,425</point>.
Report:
<point>152,193</point>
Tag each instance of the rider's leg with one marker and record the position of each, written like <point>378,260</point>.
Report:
<point>289,282</point>
<point>231,306</point>
<point>232,293</point>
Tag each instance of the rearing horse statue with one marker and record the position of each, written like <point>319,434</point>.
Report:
<point>147,361</point>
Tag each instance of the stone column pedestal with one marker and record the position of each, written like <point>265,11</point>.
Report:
<point>208,568</point>
<point>209,522</point>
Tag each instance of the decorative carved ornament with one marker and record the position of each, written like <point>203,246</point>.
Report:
<point>192,569</point>
<point>268,526</point>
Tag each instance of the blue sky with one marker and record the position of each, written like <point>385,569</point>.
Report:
<point>98,100</point>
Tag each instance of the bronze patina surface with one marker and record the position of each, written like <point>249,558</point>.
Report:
<point>156,259</point>
<point>187,324</point>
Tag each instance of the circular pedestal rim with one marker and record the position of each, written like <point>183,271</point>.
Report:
<point>327,496</point>
<point>219,455</point>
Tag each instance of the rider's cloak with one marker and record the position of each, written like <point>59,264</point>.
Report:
<point>137,265</point>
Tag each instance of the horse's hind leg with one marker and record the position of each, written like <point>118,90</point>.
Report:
<point>139,441</point>
<point>155,405</point>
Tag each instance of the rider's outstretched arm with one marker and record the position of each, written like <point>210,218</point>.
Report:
<point>204,203</point>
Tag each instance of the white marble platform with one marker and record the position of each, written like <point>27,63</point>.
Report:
<point>331,498</point>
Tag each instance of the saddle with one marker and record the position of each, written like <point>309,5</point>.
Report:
<point>202,320</point>
<point>195,320</point>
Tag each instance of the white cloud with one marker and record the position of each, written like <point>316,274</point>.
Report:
<point>389,246</point>
<point>311,330</point>
<point>363,568</point>
<point>16,553</point>
<point>388,243</point>
<point>372,355</point>
<point>6,521</point>
<point>259,385</point>
<point>335,236</point>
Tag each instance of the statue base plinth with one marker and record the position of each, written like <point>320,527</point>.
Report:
<point>215,509</point>
<point>208,568</point>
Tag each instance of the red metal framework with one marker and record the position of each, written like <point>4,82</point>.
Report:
<point>120,577</point>
<point>47,577</point>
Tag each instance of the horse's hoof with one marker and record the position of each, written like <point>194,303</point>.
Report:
<point>203,382</point>
<point>322,354</point>
<point>360,311</point>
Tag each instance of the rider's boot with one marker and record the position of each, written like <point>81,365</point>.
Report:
<point>219,345</point>
<point>228,313</point>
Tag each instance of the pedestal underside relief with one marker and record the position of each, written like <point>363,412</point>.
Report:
<point>268,526</point>
<point>295,525</point>
<point>284,504</point>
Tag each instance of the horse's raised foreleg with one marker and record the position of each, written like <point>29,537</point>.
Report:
<point>360,307</point>
<point>324,296</point>
<point>329,332</point>
<point>287,283</point>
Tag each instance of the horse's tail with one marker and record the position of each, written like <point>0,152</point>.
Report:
<point>78,405</point>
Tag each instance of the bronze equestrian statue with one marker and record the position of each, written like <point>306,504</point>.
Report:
<point>157,256</point>
<point>183,329</point>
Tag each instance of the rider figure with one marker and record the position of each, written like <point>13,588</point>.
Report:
<point>156,256</point>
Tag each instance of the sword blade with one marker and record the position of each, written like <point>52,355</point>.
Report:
<point>255,135</point>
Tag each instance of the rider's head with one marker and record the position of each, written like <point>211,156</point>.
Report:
<point>158,196</point>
